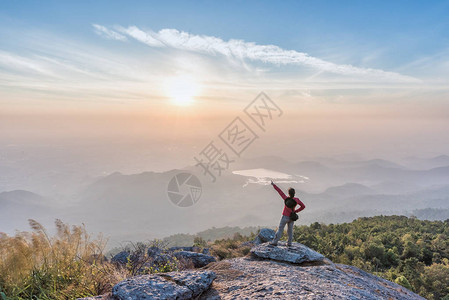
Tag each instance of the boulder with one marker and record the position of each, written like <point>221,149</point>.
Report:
<point>153,250</point>
<point>297,253</point>
<point>198,259</point>
<point>173,285</point>
<point>121,258</point>
<point>249,278</point>
<point>181,249</point>
<point>196,281</point>
<point>191,249</point>
<point>265,235</point>
<point>161,260</point>
<point>158,258</point>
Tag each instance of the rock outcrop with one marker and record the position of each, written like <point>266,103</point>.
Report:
<point>274,272</point>
<point>158,258</point>
<point>191,249</point>
<point>173,285</point>
<point>249,278</point>
<point>297,253</point>
<point>265,235</point>
<point>120,258</point>
<point>198,260</point>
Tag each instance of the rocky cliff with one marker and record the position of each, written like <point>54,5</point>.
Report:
<point>251,277</point>
<point>281,272</point>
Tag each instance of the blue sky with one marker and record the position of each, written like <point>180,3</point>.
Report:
<point>98,45</point>
<point>414,27</point>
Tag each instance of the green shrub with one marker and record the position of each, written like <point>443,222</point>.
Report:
<point>404,282</point>
<point>412,252</point>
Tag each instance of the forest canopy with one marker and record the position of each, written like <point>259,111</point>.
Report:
<point>408,251</point>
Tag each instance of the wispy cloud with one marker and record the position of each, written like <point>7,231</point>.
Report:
<point>242,50</point>
<point>58,68</point>
<point>108,33</point>
<point>19,63</point>
<point>43,66</point>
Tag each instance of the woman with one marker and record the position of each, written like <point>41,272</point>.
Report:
<point>286,216</point>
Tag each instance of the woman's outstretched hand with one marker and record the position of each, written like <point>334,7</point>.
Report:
<point>272,183</point>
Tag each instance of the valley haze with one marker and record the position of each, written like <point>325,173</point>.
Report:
<point>129,207</point>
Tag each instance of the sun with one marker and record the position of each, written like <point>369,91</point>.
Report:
<point>182,90</point>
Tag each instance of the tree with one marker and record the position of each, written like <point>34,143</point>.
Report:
<point>404,282</point>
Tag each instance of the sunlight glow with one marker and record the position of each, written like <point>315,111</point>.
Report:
<point>182,90</point>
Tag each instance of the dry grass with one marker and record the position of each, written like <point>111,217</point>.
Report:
<point>70,264</point>
<point>231,247</point>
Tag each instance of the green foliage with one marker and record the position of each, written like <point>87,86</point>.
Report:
<point>411,252</point>
<point>199,242</point>
<point>2,295</point>
<point>137,259</point>
<point>404,282</point>
<point>436,278</point>
<point>209,235</point>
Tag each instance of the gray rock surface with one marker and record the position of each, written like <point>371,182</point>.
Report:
<point>297,253</point>
<point>284,273</point>
<point>152,251</point>
<point>191,249</point>
<point>249,278</point>
<point>161,259</point>
<point>173,285</point>
<point>265,235</point>
<point>186,248</point>
<point>199,260</point>
<point>120,258</point>
<point>196,281</point>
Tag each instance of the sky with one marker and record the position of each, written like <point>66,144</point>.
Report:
<point>378,66</point>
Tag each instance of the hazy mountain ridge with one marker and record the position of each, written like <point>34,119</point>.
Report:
<point>427,163</point>
<point>17,206</point>
<point>21,197</point>
<point>334,191</point>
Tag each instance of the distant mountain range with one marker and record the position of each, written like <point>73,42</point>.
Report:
<point>334,191</point>
<point>16,207</point>
<point>427,163</point>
